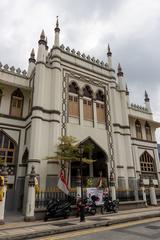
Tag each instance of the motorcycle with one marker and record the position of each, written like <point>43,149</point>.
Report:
<point>109,205</point>
<point>88,204</point>
<point>58,208</point>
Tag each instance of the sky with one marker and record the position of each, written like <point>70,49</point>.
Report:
<point>131,27</point>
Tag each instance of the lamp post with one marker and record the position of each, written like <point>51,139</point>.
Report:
<point>82,214</point>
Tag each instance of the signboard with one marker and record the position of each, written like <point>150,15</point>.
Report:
<point>97,192</point>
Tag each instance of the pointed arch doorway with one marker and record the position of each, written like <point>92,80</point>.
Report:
<point>100,167</point>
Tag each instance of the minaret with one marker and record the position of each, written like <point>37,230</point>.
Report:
<point>57,31</point>
<point>127,95</point>
<point>109,55</point>
<point>121,81</point>
<point>41,56</point>
<point>147,101</point>
<point>31,64</point>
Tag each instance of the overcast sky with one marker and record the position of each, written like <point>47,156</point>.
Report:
<point>131,27</point>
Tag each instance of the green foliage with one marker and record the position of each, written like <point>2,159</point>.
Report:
<point>68,150</point>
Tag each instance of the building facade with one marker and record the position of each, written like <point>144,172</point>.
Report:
<point>68,93</point>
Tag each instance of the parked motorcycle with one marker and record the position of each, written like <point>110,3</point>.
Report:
<point>109,205</point>
<point>58,208</point>
<point>88,204</point>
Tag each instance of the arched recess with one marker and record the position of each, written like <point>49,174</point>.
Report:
<point>138,129</point>
<point>16,106</point>
<point>73,103</point>
<point>87,103</point>
<point>148,131</point>
<point>100,107</point>
<point>147,165</point>
<point>7,148</point>
<point>91,151</point>
<point>25,156</point>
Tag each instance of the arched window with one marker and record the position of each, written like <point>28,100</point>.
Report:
<point>138,129</point>
<point>73,106</point>
<point>7,148</point>
<point>25,156</point>
<point>148,132</point>
<point>16,103</point>
<point>87,104</point>
<point>147,163</point>
<point>100,107</point>
<point>1,93</point>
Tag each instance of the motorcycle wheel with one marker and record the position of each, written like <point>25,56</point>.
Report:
<point>93,211</point>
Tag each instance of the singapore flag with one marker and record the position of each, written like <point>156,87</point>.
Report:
<point>62,185</point>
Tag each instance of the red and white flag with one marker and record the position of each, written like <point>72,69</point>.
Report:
<point>62,184</point>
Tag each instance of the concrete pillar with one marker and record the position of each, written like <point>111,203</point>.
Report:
<point>112,186</point>
<point>30,206</point>
<point>94,114</point>
<point>142,187</point>
<point>3,192</point>
<point>152,192</point>
<point>78,195</point>
<point>81,107</point>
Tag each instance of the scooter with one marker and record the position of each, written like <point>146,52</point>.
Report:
<point>58,209</point>
<point>109,205</point>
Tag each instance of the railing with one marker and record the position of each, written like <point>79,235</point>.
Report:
<point>43,197</point>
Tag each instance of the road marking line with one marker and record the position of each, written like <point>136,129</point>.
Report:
<point>100,229</point>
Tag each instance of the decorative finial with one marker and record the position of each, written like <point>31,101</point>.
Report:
<point>32,56</point>
<point>120,73</point>
<point>32,53</point>
<point>57,29</point>
<point>57,23</point>
<point>109,53</point>
<point>127,92</point>
<point>146,98</point>
<point>42,36</point>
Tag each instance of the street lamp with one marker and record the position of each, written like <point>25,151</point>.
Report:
<point>82,214</point>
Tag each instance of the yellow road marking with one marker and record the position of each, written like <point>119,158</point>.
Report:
<point>100,229</point>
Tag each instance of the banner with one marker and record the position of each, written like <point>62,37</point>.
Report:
<point>98,193</point>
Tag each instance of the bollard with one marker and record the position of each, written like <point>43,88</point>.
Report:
<point>30,206</point>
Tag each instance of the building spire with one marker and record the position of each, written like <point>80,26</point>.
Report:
<point>32,56</point>
<point>120,72</point>
<point>147,102</point>
<point>127,92</point>
<point>146,98</point>
<point>42,38</point>
<point>57,31</point>
<point>109,53</point>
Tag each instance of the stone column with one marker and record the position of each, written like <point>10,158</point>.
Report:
<point>3,189</point>
<point>78,185</point>
<point>81,107</point>
<point>142,187</point>
<point>152,192</point>
<point>112,186</point>
<point>30,206</point>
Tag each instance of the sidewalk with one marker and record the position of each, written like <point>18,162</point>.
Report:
<point>27,230</point>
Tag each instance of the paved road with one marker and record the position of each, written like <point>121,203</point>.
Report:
<point>139,230</point>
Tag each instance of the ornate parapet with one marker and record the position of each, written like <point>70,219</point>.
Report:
<point>12,70</point>
<point>138,107</point>
<point>85,57</point>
